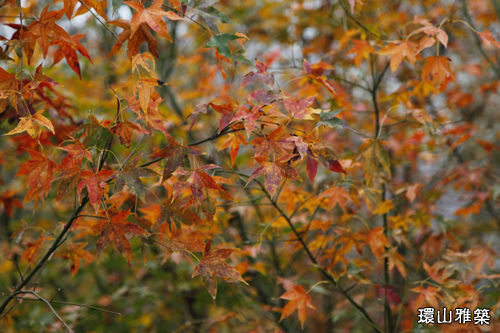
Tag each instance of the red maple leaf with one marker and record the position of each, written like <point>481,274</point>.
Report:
<point>95,183</point>
<point>113,231</point>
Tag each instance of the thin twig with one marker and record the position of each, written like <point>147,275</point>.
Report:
<point>48,304</point>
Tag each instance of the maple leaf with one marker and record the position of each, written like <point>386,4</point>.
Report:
<point>95,183</point>
<point>30,125</point>
<point>45,29</point>
<point>312,165</point>
<point>397,260</point>
<point>130,176</point>
<point>276,142</point>
<point>113,231</point>
<point>145,87</point>
<point>300,301</point>
<point>40,170</point>
<point>75,252</point>
<point>39,79</point>
<point>8,200</point>
<point>316,72</point>
<point>424,43</point>
<point>436,69</point>
<point>143,34</point>
<point>220,41</point>
<point>440,34</point>
<point>99,6</point>
<point>76,152</point>
<point>250,117</point>
<point>362,50</point>
<point>70,180</point>
<point>125,130</point>
<point>234,141</point>
<point>260,76</point>
<point>373,153</point>
<point>183,241</point>
<point>274,172</point>
<point>176,211</point>
<point>143,60</point>
<point>212,265</point>
<point>398,52</point>
<point>337,195</point>
<point>33,249</point>
<point>176,156</point>
<point>68,51</point>
<point>196,181</point>
<point>152,16</point>
<point>9,86</point>
<point>429,295</point>
<point>488,38</point>
<point>224,106</point>
<point>377,241</point>
<point>299,108</point>
<point>95,133</point>
<point>301,146</point>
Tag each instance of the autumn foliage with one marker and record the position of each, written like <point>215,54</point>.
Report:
<point>248,166</point>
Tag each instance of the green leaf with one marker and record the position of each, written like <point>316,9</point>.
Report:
<point>220,42</point>
<point>131,178</point>
<point>330,114</point>
<point>116,4</point>
<point>214,12</point>
<point>334,122</point>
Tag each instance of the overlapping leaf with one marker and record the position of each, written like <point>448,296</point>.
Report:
<point>274,172</point>
<point>176,156</point>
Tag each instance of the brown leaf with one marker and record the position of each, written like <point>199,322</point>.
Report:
<point>113,231</point>
<point>125,130</point>
<point>212,265</point>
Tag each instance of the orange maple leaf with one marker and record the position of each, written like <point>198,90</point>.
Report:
<point>212,265</point>
<point>75,252</point>
<point>337,195</point>
<point>377,241</point>
<point>398,52</point>
<point>362,50</point>
<point>436,69</point>
<point>152,16</point>
<point>45,29</point>
<point>33,249</point>
<point>488,38</point>
<point>299,300</point>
